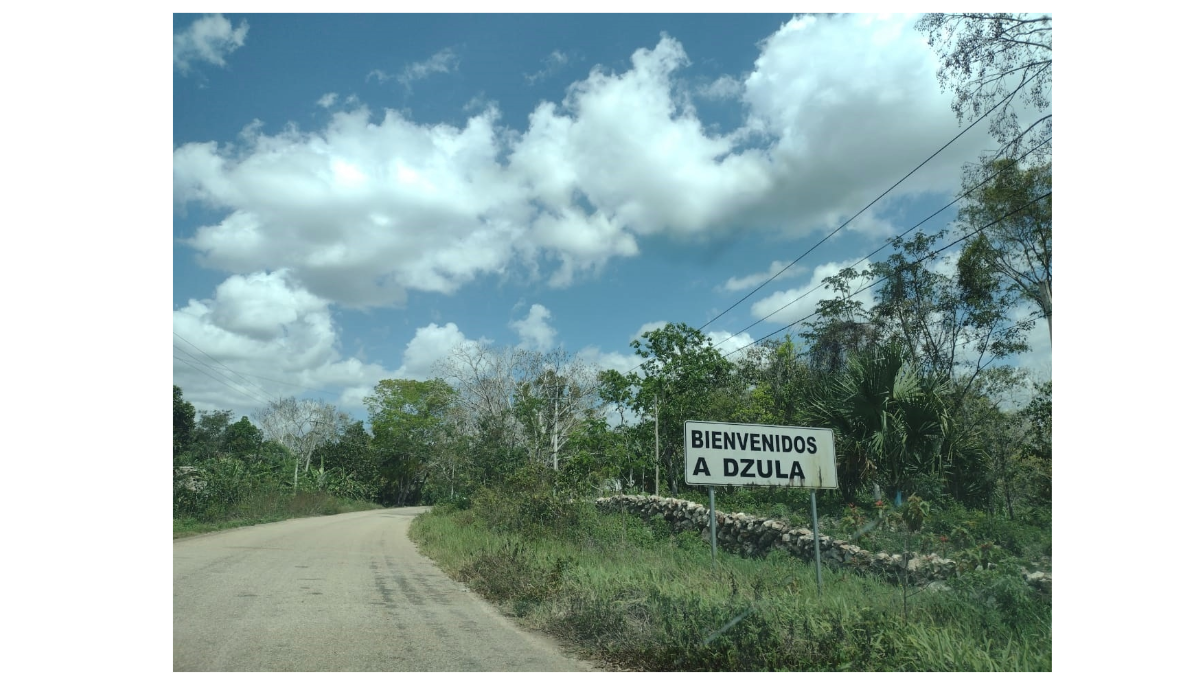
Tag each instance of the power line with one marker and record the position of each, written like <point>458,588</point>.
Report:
<point>243,374</point>
<point>281,382</point>
<point>245,380</point>
<point>891,240</point>
<point>200,368</point>
<point>877,199</point>
<point>908,265</point>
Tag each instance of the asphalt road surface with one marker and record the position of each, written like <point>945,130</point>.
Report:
<point>340,593</point>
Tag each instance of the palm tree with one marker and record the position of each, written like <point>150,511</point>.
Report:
<point>891,419</point>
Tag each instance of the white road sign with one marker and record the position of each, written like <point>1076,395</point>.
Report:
<point>740,454</point>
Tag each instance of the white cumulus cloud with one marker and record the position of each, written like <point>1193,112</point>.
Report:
<point>263,336</point>
<point>208,40</point>
<point>725,87</point>
<point>374,205</point>
<point>850,104</point>
<point>622,362</point>
<point>535,330</point>
<point>428,346</point>
<point>737,284</point>
<point>788,306</point>
<point>636,152</point>
<point>646,328</point>
<point>729,344</point>
<point>368,209</point>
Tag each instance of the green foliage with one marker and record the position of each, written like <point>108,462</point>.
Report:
<point>1038,452</point>
<point>227,491</point>
<point>683,373</point>
<point>769,385</point>
<point>1013,253</point>
<point>492,453</point>
<point>1026,537</point>
<point>353,457</point>
<point>842,327</point>
<point>657,604</point>
<point>208,437</point>
<point>408,421</point>
<point>514,574</point>
<point>530,507</point>
<point>942,326</point>
<point>185,423</point>
<point>890,414</point>
<point>913,513</point>
<point>337,483</point>
<point>242,439</point>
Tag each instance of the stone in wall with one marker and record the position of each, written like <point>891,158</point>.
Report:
<point>753,536</point>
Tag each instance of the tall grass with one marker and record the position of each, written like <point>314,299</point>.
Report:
<point>638,596</point>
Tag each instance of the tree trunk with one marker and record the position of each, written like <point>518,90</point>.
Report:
<point>1045,290</point>
<point>656,446</point>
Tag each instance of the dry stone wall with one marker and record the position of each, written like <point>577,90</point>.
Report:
<point>750,536</point>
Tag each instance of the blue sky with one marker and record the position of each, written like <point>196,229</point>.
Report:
<point>354,195</point>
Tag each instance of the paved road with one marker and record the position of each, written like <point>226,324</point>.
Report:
<point>341,593</point>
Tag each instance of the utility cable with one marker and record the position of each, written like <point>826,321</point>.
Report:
<point>890,241</point>
<point>877,199</point>
<point>201,369</point>
<point>245,380</point>
<point>907,265</point>
<point>244,374</point>
<point>281,382</point>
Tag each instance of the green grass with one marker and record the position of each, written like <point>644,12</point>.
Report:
<point>263,508</point>
<point>636,596</point>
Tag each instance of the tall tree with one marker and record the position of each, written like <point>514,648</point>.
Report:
<point>485,381</point>
<point>682,373</point>
<point>1039,412</point>
<point>409,424</point>
<point>636,439</point>
<point>1004,59</point>
<point>242,439</point>
<point>535,401</point>
<point>353,453</point>
<point>989,58</point>
<point>1013,222</point>
<point>949,329</point>
<point>557,397</point>
<point>300,425</point>
<point>208,437</point>
<point>769,384</point>
<point>1040,442</point>
<point>185,423</point>
<point>842,327</point>
<point>616,388</point>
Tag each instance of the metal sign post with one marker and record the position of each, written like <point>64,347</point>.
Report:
<point>712,523</point>
<point>816,539</point>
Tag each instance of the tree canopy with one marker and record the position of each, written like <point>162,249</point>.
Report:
<point>990,59</point>
<point>1012,223</point>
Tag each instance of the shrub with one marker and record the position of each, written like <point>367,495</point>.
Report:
<point>514,574</point>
